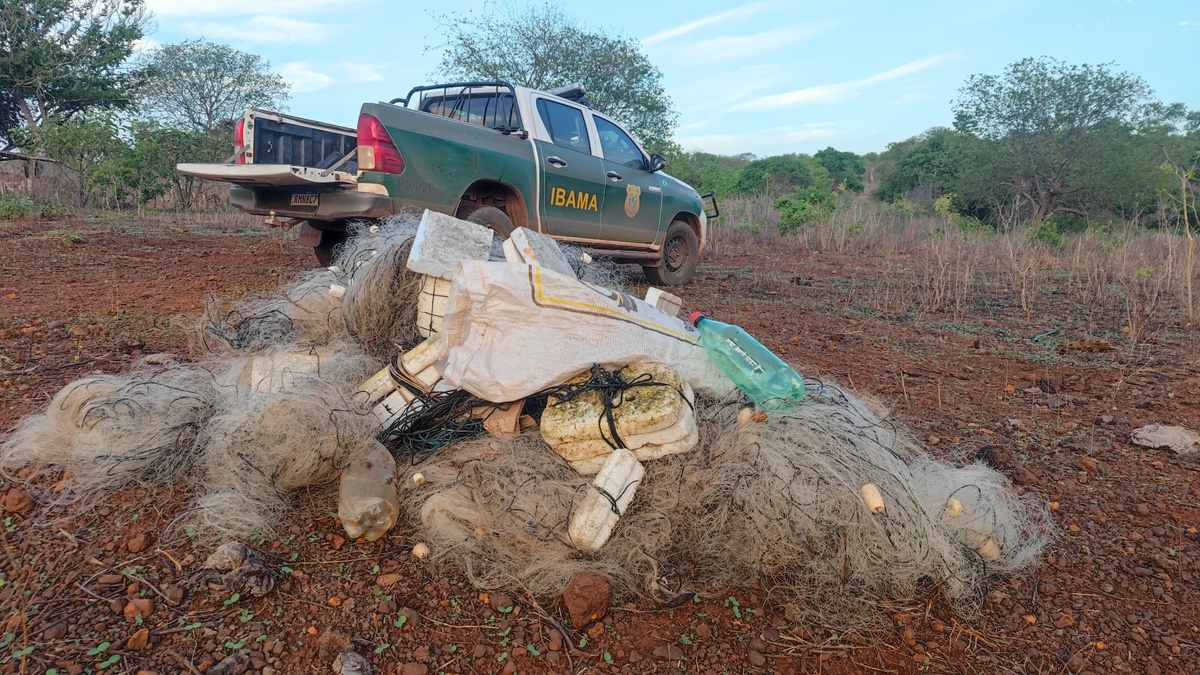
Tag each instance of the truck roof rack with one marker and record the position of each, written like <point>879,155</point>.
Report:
<point>499,84</point>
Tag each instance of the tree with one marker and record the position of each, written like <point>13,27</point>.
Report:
<point>59,58</point>
<point>845,168</point>
<point>199,85</point>
<point>145,169</point>
<point>1042,118</point>
<point>780,175</point>
<point>84,145</point>
<point>543,47</point>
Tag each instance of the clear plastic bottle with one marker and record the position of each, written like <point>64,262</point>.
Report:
<point>761,375</point>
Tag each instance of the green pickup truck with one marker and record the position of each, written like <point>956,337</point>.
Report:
<point>488,152</point>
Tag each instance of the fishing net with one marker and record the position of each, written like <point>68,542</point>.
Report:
<point>263,445</point>
<point>107,431</point>
<point>778,500</point>
<point>380,306</point>
<point>273,409</point>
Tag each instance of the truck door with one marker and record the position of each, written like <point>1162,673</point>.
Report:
<point>572,189</point>
<point>632,195</point>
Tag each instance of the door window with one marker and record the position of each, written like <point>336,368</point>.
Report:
<point>618,146</point>
<point>566,125</point>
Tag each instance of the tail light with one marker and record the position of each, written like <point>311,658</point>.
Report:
<point>239,141</point>
<point>376,150</point>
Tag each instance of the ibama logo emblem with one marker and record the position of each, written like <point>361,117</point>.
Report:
<point>633,200</point>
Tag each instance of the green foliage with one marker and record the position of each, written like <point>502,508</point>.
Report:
<point>544,47</point>
<point>204,87</point>
<point>1051,134</point>
<point>84,145</point>
<point>802,207</point>
<point>61,58</point>
<point>845,168</point>
<point>15,205</point>
<point>706,171</point>
<point>780,175</point>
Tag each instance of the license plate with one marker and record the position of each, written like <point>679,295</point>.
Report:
<point>304,200</point>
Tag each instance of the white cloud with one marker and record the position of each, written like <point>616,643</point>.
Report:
<point>225,8</point>
<point>729,47</point>
<point>145,44</point>
<point>684,29</point>
<point>305,77</point>
<point>764,143</point>
<point>273,29</point>
<point>721,90</point>
<point>829,93</point>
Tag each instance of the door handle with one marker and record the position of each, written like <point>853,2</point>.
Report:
<point>556,161</point>
<point>614,176</point>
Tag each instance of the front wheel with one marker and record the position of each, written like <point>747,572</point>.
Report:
<point>680,255</point>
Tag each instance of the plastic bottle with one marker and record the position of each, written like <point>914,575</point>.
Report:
<point>368,504</point>
<point>761,375</point>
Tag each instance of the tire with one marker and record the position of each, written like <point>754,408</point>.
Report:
<point>326,251</point>
<point>681,254</point>
<point>493,218</point>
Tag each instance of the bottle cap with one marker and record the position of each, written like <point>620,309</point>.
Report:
<point>693,317</point>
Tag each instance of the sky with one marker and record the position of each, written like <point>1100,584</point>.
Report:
<point>766,77</point>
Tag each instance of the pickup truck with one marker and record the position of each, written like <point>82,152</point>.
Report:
<point>487,152</point>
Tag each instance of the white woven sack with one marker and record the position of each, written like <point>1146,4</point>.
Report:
<point>511,330</point>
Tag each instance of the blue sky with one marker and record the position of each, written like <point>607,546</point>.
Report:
<point>766,77</point>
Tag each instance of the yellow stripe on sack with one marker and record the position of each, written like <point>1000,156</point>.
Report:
<point>537,273</point>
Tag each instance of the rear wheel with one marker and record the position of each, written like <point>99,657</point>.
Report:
<point>491,217</point>
<point>326,251</point>
<point>680,255</point>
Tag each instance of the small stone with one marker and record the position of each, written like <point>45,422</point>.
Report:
<point>411,617</point>
<point>54,632</point>
<point>500,601</point>
<point>587,598</point>
<point>1088,464</point>
<point>137,543</point>
<point>110,579</point>
<point>1142,510</point>
<point>1024,476</point>
<point>668,652</point>
<point>174,594</point>
<point>756,659</point>
<point>414,668</point>
<point>386,580</point>
<point>758,645</point>
<point>142,607</point>
<point>138,640</point>
<point>352,663</point>
<point>17,501</point>
<point>1075,664</point>
<point>556,641</point>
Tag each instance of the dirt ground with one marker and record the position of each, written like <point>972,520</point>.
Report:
<point>1115,591</point>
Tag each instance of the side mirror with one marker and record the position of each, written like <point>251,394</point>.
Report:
<point>657,163</point>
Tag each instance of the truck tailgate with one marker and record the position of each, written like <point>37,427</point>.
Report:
<point>267,174</point>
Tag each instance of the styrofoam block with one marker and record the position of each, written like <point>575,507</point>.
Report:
<point>431,305</point>
<point>667,302</point>
<point>393,405</point>
<point>593,521</point>
<point>278,372</point>
<point>538,249</point>
<point>442,241</point>
<point>420,357</point>
<point>511,253</point>
<point>376,387</point>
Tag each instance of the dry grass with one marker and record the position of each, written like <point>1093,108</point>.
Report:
<point>1141,280</point>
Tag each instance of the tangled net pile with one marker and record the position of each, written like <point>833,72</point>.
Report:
<point>271,408</point>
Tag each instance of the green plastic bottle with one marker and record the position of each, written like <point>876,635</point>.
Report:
<point>761,375</point>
